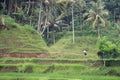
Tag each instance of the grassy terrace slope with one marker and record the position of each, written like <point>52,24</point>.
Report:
<point>66,49</point>
<point>55,69</point>
<point>21,39</point>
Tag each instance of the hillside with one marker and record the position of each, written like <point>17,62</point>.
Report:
<point>24,39</point>
<point>59,40</point>
<point>66,49</point>
<point>20,39</point>
<point>16,38</point>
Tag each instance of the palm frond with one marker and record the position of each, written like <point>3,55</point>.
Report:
<point>81,3</point>
<point>95,22</point>
<point>104,13</point>
<point>85,14</point>
<point>89,19</point>
<point>61,1</point>
<point>93,3</point>
<point>102,21</point>
<point>91,12</point>
<point>60,16</point>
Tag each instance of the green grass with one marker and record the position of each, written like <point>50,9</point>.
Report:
<point>22,39</point>
<point>65,48</point>
<point>67,62</point>
<point>83,67</point>
<point>33,76</point>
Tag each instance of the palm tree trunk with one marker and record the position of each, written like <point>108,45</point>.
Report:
<point>47,32</point>
<point>45,26</point>
<point>114,15</point>
<point>48,27</point>
<point>104,62</point>
<point>39,19</point>
<point>46,20</point>
<point>53,37</point>
<point>101,10</point>
<point>68,27</point>
<point>98,31</point>
<point>73,25</point>
<point>28,7</point>
<point>15,6</point>
<point>10,7</point>
<point>4,6</point>
<point>81,27</point>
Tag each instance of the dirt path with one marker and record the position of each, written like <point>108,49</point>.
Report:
<point>24,55</point>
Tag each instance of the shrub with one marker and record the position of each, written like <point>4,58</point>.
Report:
<point>108,48</point>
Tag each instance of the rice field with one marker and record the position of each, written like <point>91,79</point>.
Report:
<point>52,76</point>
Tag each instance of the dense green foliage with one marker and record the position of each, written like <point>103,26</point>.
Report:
<point>55,17</point>
<point>63,29</point>
<point>108,48</point>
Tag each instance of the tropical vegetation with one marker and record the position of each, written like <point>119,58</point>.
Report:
<point>59,39</point>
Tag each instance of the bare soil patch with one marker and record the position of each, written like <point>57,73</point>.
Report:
<point>24,55</point>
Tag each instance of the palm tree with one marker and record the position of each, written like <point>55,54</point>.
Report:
<point>81,4</point>
<point>3,6</point>
<point>11,4</point>
<point>39,17</point>
<point>43,16</point>
<point>97,15</point>
<point>71,1</point>
<point>50,16</point>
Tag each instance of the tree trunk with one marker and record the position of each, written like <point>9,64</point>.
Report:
<point>53,37</point>
<point>31,15</point>
<point>39,19</point>
<point>98,31</point>
<point>10,7</point>
<point>45,26</point>
<point>73,25</point>
<point>47,32</point>
<point>104,62</point>
<point>15,6</point>
<point>80,20</point>
<point>4,6</point>
<point>114,15</point>
<point>28,7</point>
<point>46,20</point>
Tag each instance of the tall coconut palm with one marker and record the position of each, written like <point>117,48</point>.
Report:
<point>73,22</point>
<point>81,4</point>
<point>97,15</point>
<point>71,2</point>
<point>39,17</point>
<point>50,16</point>
<point>52,13</point>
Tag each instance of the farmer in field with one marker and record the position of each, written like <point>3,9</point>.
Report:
<point>84,52</point>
